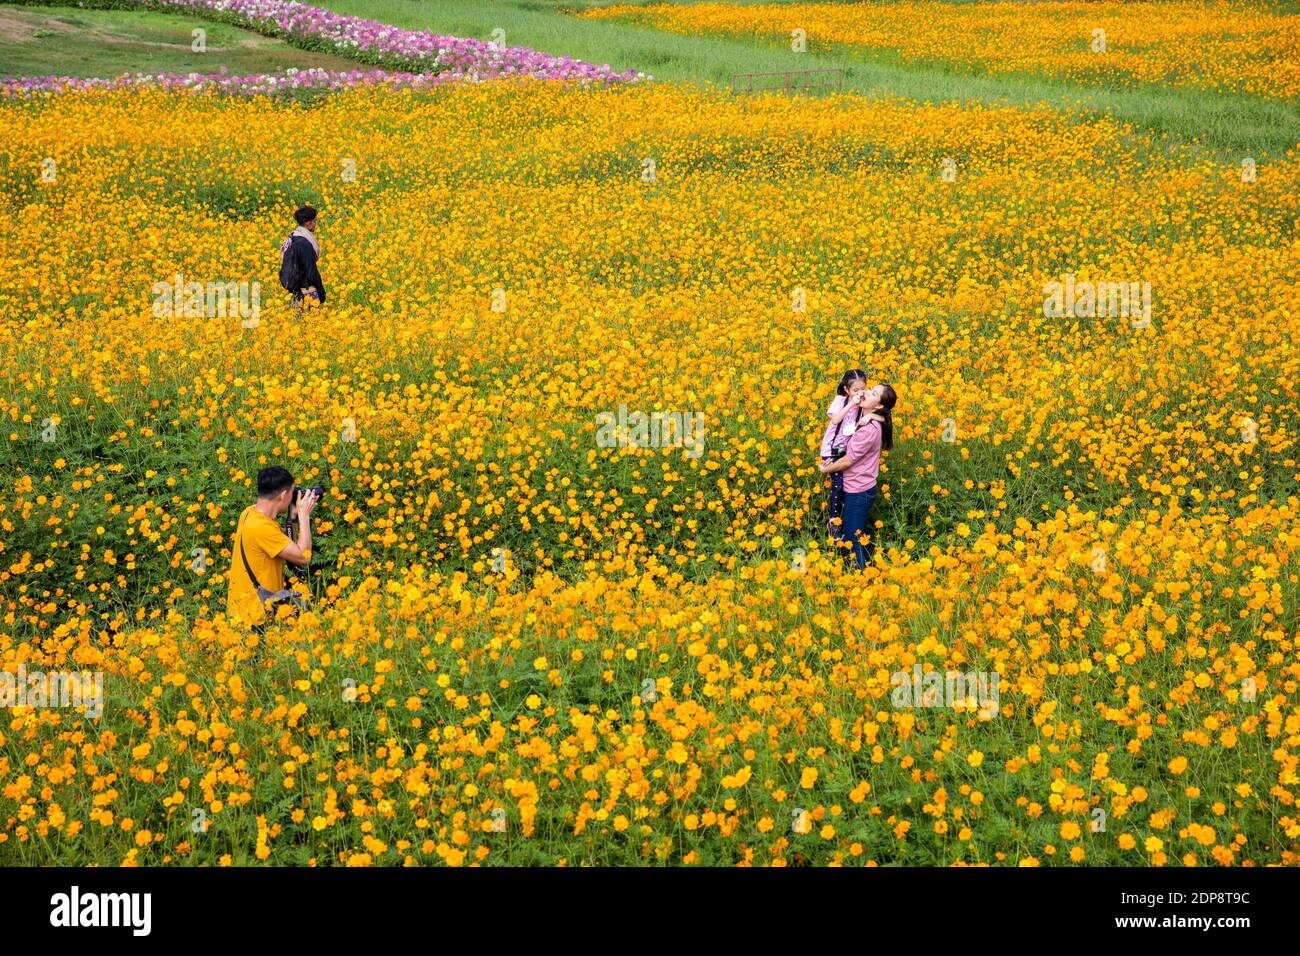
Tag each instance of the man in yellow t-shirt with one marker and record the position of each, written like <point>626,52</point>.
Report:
<point>262,548</point>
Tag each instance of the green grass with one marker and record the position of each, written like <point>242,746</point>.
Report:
<point>106,43</point>
<point>1227,124</point>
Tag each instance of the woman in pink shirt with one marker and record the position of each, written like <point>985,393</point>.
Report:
<point>861,465</point>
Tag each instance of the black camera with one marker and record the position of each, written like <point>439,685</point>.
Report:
<point>291,515</point>
<point>298,492</point>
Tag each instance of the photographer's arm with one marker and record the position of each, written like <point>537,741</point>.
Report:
<point>299,553</point>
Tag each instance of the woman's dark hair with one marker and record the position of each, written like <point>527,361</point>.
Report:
<point>271,481</point>
<point>886,411</point>
<point>304,215</point>
<point>851,376</point>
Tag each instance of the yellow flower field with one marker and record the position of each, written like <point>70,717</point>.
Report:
<point>1221,46</point>
<point>664,721</point>
<point>1102,512</point>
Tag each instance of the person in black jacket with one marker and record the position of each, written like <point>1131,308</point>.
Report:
<point>305,249</point>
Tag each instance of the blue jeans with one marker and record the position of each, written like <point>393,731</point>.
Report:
<point>857,509</point>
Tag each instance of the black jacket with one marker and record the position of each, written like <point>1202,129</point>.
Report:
<point>306,255</point>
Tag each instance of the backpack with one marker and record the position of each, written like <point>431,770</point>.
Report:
<point>292,273</point>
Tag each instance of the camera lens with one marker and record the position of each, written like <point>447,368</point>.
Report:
<point>318,491</point>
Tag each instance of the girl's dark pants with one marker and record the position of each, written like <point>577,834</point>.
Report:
<point>835,504</point>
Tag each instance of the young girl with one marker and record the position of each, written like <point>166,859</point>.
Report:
<point>860,467</point>
<point>844,413</point>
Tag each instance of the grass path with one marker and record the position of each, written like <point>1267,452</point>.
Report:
<point>69,41</point>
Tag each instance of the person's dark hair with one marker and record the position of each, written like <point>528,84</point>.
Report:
<point>888,397</point>
<point>271,481</point>
<point>851,376</point>
<point>304,215</point>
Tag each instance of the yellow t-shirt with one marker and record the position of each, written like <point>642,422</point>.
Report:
<point>263,542</point>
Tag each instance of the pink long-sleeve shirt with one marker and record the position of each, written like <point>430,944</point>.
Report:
<point>845,426</point>
<point>864,451</point>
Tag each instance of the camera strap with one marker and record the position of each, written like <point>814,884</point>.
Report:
<point>840,424</point>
